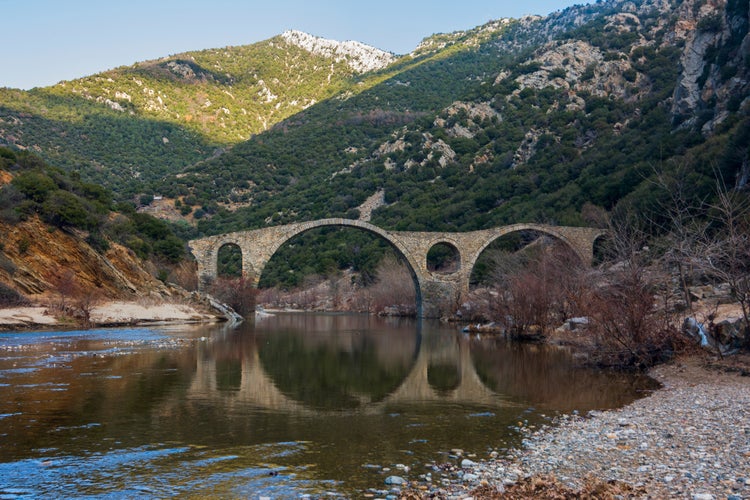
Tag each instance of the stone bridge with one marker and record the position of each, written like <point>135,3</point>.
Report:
<point>437,292</point>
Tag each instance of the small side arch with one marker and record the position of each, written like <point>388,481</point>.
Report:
<point>443,257</point>
<point>229,261</point>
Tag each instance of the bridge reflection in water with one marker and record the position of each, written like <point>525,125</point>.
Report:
<point>361,371</point>
<point>318,365</point>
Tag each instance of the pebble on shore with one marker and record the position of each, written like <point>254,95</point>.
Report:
<point>689,439</point>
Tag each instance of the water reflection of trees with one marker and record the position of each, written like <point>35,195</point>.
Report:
<point>546,377</point>
<point>334,363</point>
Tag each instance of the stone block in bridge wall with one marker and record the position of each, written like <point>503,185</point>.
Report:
<point>439,298</point>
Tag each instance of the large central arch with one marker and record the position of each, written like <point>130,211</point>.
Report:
<point>437,292</point>
<point>259,246</point>
<point>298,229</point>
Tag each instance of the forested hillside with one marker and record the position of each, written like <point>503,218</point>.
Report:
<point>535,122</point>
<point>556,119</point>
<point>136,124</point>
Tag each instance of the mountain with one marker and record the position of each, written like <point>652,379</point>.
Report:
<point>540,119</point>
<point>544,119</point>
<point>135,124</point>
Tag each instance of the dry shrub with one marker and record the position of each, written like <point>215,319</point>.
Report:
<point>238,293</point>
<point>84,302</point>
<point>394,287</point>
<point>65,286</point>
<point>547,487</point>
<point>630,328</point>
<point>538,292</point>
<point>270,296</point>
<point>74,300</point>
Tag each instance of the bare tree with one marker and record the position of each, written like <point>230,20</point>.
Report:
<point>74,299</point>
<point>239,293</point>
<point>630,327</point>
<point>393,286</point>
<point>84,303</point>
<point>725,251</point>
<point>687,226</point>
<point>65,287</point>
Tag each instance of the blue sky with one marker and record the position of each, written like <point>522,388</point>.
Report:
<point>45,41</point>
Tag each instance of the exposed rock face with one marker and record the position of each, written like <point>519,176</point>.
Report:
<point>447,155</point>
<point>360,57</point>
<point>527,148</point>
<point>687,95</point>
<point>36,259</point>
<point>474,114</point>
<point>716,46</point>
<point>570,59</point>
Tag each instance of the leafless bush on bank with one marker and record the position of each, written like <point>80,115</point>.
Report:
<point>74,299</point>
<point>536,292</point>
<point>631,325</point>
<point>239,293</point>
<point>394,287</point>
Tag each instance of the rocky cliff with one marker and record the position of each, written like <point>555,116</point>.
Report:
<point>39,261</point>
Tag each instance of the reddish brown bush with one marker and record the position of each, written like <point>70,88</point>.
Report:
<point>394,287</point>
<point>239,293</point>
<point>537,292</point>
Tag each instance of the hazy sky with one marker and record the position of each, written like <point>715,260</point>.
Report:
<point>45,41</point>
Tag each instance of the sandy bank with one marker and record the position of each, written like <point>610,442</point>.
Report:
<point>108,314</point>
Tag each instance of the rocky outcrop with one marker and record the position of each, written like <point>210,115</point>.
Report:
<point>714,72</point>
<point>464,119</point>
<point>358,56</point>
<point>527,148</point>
<point>38,260</point>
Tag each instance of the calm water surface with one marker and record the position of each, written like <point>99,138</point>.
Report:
<point>294,404</point>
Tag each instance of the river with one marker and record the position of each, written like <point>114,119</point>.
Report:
<point>283,407</point>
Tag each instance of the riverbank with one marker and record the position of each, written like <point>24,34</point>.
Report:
<point>109,313</point>
<point>689,439</point>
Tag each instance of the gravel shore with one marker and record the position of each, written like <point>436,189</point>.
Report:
<point>689,439</point>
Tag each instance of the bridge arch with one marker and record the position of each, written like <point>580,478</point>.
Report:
<point>298,229</point>
<point>259,246</point>
<point>446,256</point>
<point>517,228</point>
<point>582,249</point>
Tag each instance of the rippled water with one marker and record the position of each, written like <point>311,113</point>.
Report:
<point>293,404</point>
